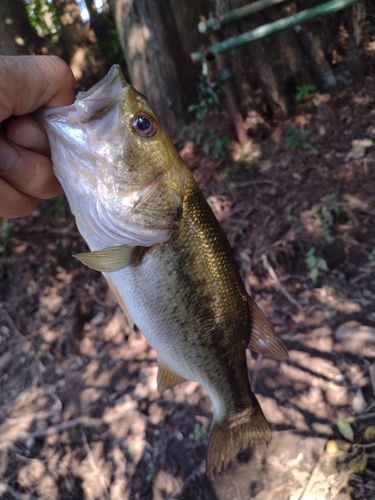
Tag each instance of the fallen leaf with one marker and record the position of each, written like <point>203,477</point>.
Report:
<point>336,445</point>
<point>369,433</point>
<point>358,464</point>
<point>345,428</point>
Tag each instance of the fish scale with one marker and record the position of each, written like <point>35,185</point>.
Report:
<point>156,240</point>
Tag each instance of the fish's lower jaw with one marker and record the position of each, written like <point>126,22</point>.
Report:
<point>235,434</point>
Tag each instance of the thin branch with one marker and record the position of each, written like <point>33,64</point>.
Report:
<point>372,377</point>
<point>8,490</point>
<point>273,275</point>
<point>64,426</point>
<point>365,416</point>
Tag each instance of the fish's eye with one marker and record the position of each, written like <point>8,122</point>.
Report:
<point>144,125</point>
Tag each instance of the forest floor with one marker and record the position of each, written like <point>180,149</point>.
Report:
<point>80,416</point>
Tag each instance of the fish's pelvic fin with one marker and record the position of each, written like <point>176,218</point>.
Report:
<point>120,302</point>
<point>263,338</point>
<point>167,378</point>
<point>236,433</point>
<point>110,259</point>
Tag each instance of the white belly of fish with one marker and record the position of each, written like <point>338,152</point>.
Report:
<point>147,310</point>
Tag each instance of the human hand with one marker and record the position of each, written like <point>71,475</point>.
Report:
<point>27,83</point>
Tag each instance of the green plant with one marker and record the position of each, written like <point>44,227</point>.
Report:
<point>326,213</point>
<point>371,255</point>
<point>208,99</point>
<point>208,103</point>
<point>297,138</point>
<point>198,432</point>
<point>304,90</point>
<point>214,146</point>
<point>42,16</point>
<point>108,46</point>
<point>5,228</point>
<point>289,216</point>
<point>356,454</point>
<point>56,208</point>
<point>315,264</point>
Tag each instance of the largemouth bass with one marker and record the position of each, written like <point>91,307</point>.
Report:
<point>157,242</point>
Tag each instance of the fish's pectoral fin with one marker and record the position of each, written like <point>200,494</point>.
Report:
<point>167,378</point>
<point>234,434</point>
<point>263,338</point>
<point>111,259</point>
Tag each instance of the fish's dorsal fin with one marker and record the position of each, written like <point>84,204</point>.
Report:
<point>110,259</point>
<point>167,378</point>
<point>263,338</point>
<point>120,302</point>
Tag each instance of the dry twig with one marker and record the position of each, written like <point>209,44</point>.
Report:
<point>13,436</point>
<point>8,490</point>
<point>273,275</point>
<point>372,377</point>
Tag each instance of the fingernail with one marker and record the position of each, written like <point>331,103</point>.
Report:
<point>8,155</point>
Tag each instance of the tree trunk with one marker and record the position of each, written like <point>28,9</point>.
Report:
<point>252,56</point>
<point>296,67</point>
<point>296,70</point>
<point>355,55</point>
<point>73,34</point>
<point>187,16</point>
<point>318,61</point>
<point>153,52</point>
<point>17,36</point>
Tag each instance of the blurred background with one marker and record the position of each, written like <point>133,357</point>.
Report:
<point>272,106</point>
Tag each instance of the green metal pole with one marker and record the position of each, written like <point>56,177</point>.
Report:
<point>216,23</point>
<point>276,26</point>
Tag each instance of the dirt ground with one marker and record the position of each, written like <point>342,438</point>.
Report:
<point>80,416</point>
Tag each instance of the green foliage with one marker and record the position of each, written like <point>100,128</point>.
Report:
<point>42,16</point>
<point>345,428</point>
<point>297,138</point>
<point>214,146</point>
<point>289,216</point>
<point>198,433</point>
<point>325,214</point>
<point>208,103</point>
<point>315,264</point>
<point>108,45</point>
<point>358,464</point>
<point>55,207</point>
<point>5,228</point>
<point>208,100</point>
<point>244,162</point>
<point>371,256</point>
<point>304,90</point>
<point>357,456</point>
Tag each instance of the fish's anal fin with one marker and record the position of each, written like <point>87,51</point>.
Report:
<point>120,302</point>
<point>236,433</point>
<point>167,378</point>
<point>263,338</point>
<point>111,259</point>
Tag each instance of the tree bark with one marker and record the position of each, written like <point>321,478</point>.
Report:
<point>318,61</point>
<point>296,70</point>
<point>157,65</point>
<point>355,54</point>
<point>187,16</point>
<point>17,36</point>
<point>73,35</point>
<point>252,56</point>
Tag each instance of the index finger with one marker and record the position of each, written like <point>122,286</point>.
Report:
<point>29,82</point>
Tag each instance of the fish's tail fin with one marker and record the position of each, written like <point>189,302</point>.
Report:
<point>228,438</point>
